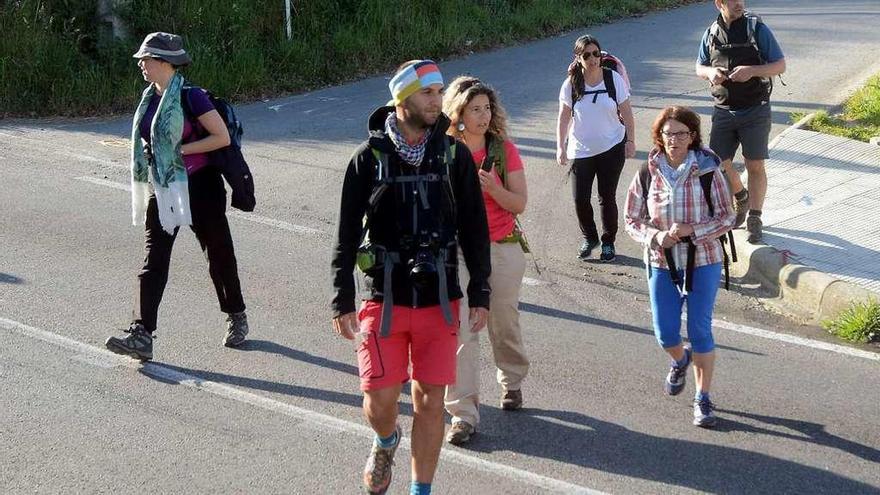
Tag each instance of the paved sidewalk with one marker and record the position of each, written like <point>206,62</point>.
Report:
<point>823,205</point>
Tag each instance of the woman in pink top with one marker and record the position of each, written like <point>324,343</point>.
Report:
<point>479,120</point>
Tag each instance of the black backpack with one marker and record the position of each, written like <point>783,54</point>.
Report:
<point>229,158</point>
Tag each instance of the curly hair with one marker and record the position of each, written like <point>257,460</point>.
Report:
<point>682,114</point>
<point>460,92</point>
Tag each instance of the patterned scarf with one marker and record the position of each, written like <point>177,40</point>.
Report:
<point>165,174</point>
<point>410,154</point>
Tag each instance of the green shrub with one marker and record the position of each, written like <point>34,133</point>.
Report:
<point>56,58</point>
<point>858,323</point>
<point>860,118</point>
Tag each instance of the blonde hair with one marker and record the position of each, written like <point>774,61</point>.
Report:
<point>460,92</point>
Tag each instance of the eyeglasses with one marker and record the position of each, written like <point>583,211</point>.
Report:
<point>676,135</point>
<point>594,53</point>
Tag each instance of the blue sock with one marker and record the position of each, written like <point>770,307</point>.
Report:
<point>701,396</point>
<point>387,443</point>
<point>417,488</point>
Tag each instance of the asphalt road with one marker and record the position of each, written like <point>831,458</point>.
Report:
<point>282,415</point>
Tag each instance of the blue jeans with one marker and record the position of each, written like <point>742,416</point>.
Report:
<point>666,304</point>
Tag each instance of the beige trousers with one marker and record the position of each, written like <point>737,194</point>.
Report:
<point>463,398</point>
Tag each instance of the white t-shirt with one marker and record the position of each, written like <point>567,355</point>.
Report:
<point>595,127</point>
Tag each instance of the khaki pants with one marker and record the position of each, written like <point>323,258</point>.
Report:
<point>463,398</point>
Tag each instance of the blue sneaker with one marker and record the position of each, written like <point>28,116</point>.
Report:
<point>704,413</point>
<point>677,376</point>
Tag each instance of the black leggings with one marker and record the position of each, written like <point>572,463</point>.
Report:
<point>207,199</point>
<point>606,167</point>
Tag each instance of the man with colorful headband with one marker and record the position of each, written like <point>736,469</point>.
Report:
<point>410,199</point>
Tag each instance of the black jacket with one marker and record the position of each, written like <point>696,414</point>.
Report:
<point>464,223</point>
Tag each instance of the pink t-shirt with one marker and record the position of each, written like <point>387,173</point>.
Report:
<point>501,221</point>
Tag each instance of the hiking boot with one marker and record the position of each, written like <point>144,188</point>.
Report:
<point>138,344</point>
<point>753,227</point>
<point>377,472</point>
<point>460,433</point>
<point>677,376</point>
<point>704,413</point>
<point>236,329</point>
<point>741,206</point>
<point>586,249</point>
<point>607,252</point>
<point>511,400</point>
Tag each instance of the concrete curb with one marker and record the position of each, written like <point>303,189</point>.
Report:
<point>810,293</point>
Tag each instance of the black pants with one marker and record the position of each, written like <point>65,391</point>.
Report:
<point>207,199</point>
<point>606,168</point>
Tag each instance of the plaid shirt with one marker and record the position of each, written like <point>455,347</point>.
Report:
<point>683,203</point>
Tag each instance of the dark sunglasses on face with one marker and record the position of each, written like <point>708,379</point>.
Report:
<point>595,53</point>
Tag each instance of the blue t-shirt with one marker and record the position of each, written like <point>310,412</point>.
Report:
<point>767,45</point>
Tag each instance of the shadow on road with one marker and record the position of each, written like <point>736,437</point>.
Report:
<point>803,431</point>
<point>6,278</point>
<point>613,325</point>
<point>273,348</point>
<point>574,438</point>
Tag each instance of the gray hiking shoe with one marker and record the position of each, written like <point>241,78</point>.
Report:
<point>377,472</point>
<point>741,207</point>
<point>137,344</point>
<point>460,433</point>
<point>704,414</point>
<point>236,329</point>
<point>753,227</point>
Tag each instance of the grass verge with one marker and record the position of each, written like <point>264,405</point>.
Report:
<point>57,58</point>
<point>859,323</point>
<point>860,118</point>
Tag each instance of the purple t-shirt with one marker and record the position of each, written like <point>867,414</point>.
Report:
<point>200,104</point>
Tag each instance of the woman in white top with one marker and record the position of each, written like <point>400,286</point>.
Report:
<point>595,133</point>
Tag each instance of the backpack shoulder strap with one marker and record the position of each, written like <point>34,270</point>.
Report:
<point>644,179</point>
<point>706,185</point>
<point>608,77</point>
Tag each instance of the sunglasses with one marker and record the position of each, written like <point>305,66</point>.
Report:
<point>595,53</point>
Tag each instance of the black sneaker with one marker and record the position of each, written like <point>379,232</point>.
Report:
<point>704,414</point>
<point>677,376</point>
<point>512,400</point>
<point>138,344</point>
<point>236,329</point>
<point>586,249</point>
<point>607,252</point>
<point>741,206</point>
<point>753,227</point>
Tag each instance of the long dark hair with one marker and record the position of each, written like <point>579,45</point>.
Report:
<point>576,69</point>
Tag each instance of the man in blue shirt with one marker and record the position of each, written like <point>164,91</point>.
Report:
<point>739,56</point>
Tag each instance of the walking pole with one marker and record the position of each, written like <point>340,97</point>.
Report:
<point>287,19</point>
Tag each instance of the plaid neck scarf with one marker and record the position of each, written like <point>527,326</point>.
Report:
<point>411,154</point>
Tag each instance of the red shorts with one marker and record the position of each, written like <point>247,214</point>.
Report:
<point>420,337</point>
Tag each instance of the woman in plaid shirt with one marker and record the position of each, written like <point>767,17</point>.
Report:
<point>671,217</point>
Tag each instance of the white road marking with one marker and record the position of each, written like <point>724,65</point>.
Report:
<point>249,217</point>
<point>101,357</point>
<point>106,183</point>
<point>533,281</point>
<point>793,339</point>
